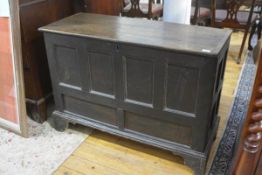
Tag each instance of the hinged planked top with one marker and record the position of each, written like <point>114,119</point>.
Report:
<point>179,37</point>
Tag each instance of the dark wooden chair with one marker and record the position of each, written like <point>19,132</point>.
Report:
<point>199,15</point>
<point>232,17</point>
<point>151,10</point>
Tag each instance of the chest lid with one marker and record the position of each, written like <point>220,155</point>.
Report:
<point>156,34</point>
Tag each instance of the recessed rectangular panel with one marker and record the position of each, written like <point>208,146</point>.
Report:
<point>68,66</point>
<point>90,110</point>
<point>139,81</point>
<point>181,88</point>
<point>157,128</point>
<point>101,73</point>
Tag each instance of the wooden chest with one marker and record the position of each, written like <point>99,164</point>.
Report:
<point>153,82</point>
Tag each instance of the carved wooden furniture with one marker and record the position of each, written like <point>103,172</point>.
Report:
<point>249,156</point>
<point>157,83</point>
<point>199,15</point>
<point>106,7</point>
<point>33,14</point>
<point>232,17</point>
<point>151,10</point>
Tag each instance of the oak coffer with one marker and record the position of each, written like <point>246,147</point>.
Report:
<point>154,82</point>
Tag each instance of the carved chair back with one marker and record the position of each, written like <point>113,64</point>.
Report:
<point>232,8</point>
<point>136,10</point>
<point>233,17</point>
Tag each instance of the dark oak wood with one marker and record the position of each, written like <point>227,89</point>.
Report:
<point>248,157</point>
<point>194,39</point>
<point>111,74</point>
<point>230,16</point>
<point>106,7</point>
<point>33,14</point>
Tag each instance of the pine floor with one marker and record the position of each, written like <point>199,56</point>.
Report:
<point>104,154</point>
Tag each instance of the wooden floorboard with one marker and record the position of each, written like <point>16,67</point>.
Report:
<point>104,154</point>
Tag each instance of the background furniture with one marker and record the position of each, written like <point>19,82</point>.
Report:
<point>151,10</point>
<point>36,13</point>
<point>232,17</point>
<point>248,158</point>
<point>200,15</point>
<point>33,14</point>
<point>150,82</point>
<point>106,7</point>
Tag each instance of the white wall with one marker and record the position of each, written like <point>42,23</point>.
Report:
<point>177,11</point>
<point>4,8</point>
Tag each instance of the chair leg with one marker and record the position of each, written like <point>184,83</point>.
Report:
<point>242,46</point>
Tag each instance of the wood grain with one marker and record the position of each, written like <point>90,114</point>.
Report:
<point>100,145</point>
<point>157,34</point>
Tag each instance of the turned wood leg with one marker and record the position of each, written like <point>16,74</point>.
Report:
<point>195,163</point>
<point>249,150</point>
<point>58,123</point>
